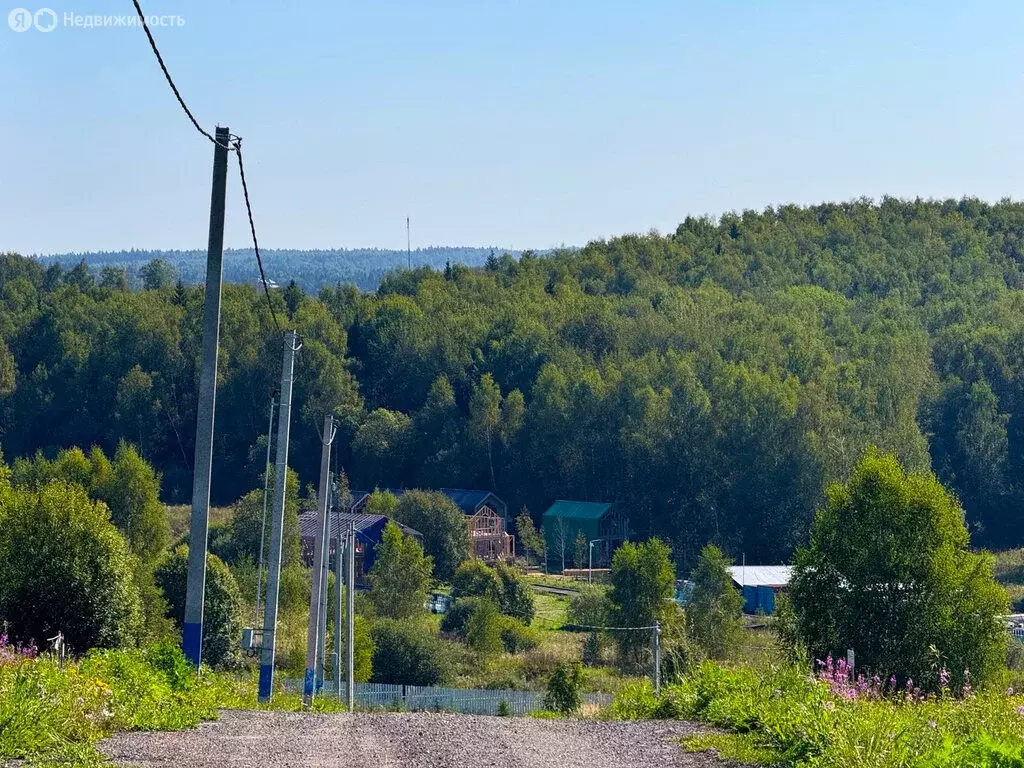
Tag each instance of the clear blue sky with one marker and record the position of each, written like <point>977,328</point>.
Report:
<point>518,124</point>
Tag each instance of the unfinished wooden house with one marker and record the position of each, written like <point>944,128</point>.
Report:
<point>486,520</point>
<point>486,523</point>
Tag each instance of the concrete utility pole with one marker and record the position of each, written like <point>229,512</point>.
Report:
<point>350,634</point>
<point>340,546</point>
<point>321,647</point>
<point>316,604</point>
<point>657,657</point>
<point>263,523</point>
<point>192,634</point>
<point>284,417</point>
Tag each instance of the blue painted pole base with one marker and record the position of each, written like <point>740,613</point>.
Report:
<point>192,643</point>
<point>266,682</point>
<point>308,683</point>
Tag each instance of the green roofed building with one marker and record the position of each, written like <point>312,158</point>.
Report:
<point>600,522</point>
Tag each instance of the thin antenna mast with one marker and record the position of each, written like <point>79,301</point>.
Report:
<point>408,242</point>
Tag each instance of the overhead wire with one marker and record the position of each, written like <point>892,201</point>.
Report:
<point>235,146</point>
<point>252,228</point>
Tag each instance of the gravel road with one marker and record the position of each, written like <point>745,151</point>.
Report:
<point>410,740</point>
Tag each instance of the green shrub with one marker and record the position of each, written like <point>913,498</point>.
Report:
<point>406,653</point>
<point>455,619</point>
<point>635,701</point>
<point>475,578</point>
<point>501,584</point>
<point>981,751</point>
<point>783,715</point>
<point>564,686</point>
<point>484,627</point>
<point>222,612</point>
<point>713,613</point>
<point>65,567</point>
<point>167,658</point>
<point>590,607</point>
<point>516,598</point>
<point>516,637</point>
<point>50,715</point>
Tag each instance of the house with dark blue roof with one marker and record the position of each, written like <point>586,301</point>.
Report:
<point>369,531</point>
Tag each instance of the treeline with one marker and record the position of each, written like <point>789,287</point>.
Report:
<point>364,267</point>
<point>713,380</point>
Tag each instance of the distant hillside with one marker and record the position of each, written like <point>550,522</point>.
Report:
<point>310,269</point>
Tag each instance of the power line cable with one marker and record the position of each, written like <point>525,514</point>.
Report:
<point>167,74</point>
<point>252,228</point>
<point>236,146</point>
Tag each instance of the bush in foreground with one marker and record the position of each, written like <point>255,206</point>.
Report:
<point>888,573</point>
<point>222,614</point>
<point>564,689</point>
<point>406,653</point>
<point>64,567</point>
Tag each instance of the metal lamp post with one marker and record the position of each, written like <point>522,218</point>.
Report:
<point>590,562</point>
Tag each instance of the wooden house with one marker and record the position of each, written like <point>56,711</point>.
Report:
<point>486,520</point>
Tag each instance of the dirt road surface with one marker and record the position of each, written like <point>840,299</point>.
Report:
<point>410,740</point>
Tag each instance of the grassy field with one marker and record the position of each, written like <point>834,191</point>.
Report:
<point>554,580</point>
<point>179,516</point>
<point>1009,571</point>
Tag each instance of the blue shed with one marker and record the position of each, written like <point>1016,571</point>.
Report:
<point>759,585</point>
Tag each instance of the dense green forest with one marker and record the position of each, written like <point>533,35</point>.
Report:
<point>365,267</point>
<point>713,380</point>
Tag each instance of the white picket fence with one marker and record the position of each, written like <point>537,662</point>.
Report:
<point>470,701</point>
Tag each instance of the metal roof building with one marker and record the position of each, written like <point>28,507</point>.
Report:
<point>369,530</point>
<point>599,522</point>
<point>759,585</point>
<point>777,576</point>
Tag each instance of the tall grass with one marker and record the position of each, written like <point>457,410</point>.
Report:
<point>58,714</point>
<point>782,715</point>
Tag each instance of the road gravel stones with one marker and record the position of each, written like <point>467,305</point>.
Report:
<point>410,740</point>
